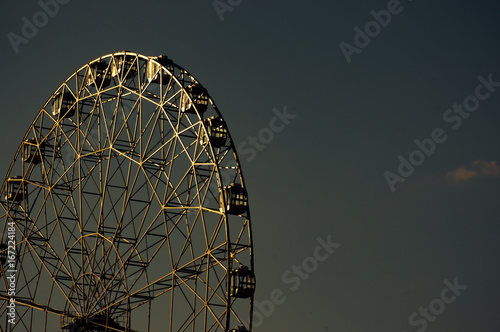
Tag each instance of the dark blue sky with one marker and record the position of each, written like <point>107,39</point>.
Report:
<point>323,174</point>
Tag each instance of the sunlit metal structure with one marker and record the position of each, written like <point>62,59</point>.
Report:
<point>129,206</point>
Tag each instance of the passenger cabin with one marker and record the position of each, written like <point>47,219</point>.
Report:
<point>16,189</point>
<point>63,105</point>
<point>32,152</point>
<point>242,283</point>
<point>3,253</point>
<point>158,75</point>
<point>195,99</point>
<point>216,132</point>
<point>95,323</point>
<point>239,329</point>
<point>236,199</point>
<point>124,66</point>
<point>99,75</point>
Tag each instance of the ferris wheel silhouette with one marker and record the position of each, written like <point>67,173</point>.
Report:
<point>127,207</point>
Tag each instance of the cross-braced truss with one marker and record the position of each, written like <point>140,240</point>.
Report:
<point>129,207</point>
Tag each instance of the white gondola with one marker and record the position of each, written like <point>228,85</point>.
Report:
<point>216,132</point>
<point>63,105</point>
<point>99,74</point>
<point>196,99</point>
<point>242,283</point>
<point>124,67</point>
<point>32,152</point>
<point>236,199</point>
<point>158,75</point>
<point>16,189</point>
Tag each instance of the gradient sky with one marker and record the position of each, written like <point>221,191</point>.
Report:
<point>324,173</point>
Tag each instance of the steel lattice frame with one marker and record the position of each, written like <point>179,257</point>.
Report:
<point>124,225</point>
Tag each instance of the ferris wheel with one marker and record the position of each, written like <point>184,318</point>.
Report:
<point>125,209</point>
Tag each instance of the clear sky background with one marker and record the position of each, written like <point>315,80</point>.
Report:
<point>323,174</point>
